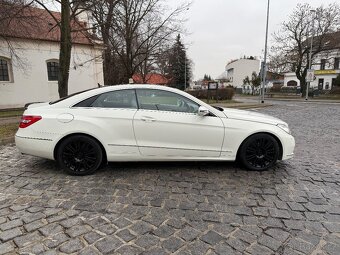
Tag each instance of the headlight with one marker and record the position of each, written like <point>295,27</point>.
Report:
<point>284,127</point>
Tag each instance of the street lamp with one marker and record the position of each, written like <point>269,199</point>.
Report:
<point>310,52</point>
<point>264,72</point>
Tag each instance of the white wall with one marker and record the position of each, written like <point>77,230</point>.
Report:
<point>30,81</point>
<point>239,69</point>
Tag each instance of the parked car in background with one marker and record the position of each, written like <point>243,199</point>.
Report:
<point>148,123</point>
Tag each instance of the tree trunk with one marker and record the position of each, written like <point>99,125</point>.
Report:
<point>65,49</point>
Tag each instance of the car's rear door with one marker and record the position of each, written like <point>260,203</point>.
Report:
<point>167,125</point>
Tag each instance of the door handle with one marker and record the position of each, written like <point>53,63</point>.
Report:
<point>148,119</point>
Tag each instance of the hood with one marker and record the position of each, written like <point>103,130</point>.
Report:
<point>251,116</point>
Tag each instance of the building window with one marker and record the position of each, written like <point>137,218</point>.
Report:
<point>52,70</point>
<point>337,63</point>
<point>292,83</point>
<point>320,84</point>
<point>4,70</point>
<point>323,64</point>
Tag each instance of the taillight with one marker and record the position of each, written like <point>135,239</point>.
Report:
<point>27,120</point>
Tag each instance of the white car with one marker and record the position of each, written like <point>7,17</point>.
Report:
<point>148,123</point>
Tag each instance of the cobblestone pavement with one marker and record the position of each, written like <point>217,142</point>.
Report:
<point>181,208</point>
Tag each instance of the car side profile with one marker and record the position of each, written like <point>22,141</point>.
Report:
<point>148,123</point>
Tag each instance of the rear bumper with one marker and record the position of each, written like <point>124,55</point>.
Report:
<point>40,147</point>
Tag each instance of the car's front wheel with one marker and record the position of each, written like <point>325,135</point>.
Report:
<point>79,155</point>
<point>259,152</point>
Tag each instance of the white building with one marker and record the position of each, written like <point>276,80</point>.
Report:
<point>326,66</point>
<point>32,75</point>
<point>237,70</point>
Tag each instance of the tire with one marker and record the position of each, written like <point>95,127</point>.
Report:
<point>259,152</point>
<point>79,155</point>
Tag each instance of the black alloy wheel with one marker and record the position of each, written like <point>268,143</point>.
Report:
<point>259,152</point>
<point>79,155</point>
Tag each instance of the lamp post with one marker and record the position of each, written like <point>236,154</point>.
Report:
<point>185,71</point>
<point>264,71</point>
<point>310,53</point>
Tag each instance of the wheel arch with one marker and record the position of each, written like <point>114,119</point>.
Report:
<point>259,133</point>
<point>84,134</point>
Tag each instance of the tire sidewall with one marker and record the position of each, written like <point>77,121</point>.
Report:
<point>83,138</point>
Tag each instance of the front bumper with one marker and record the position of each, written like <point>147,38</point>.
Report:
<point>288,145</point>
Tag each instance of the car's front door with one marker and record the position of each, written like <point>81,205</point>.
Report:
<point>167,125</point>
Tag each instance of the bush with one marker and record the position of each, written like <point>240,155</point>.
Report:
<point>275,89</point>
<point>220,94</point>
<point>335,90</point>
<point>290,90</point>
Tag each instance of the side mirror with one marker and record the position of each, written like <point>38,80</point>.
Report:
<point>202,111</point>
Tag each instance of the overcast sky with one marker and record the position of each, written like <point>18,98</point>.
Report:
<point>221,30</point>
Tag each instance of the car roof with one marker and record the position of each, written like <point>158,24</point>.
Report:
<point>78,97</point>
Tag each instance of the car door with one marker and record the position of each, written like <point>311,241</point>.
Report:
<point>111,116</point>
<point>166,124</point>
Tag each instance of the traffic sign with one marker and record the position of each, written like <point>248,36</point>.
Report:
<point>310,75</point>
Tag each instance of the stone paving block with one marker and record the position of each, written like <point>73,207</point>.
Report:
<point>6,248</point>
<point>269,242</point>
<point>11,224</point>
<point>108,244</point>
<point>126,235</point>
<point>71,246</point>
<point>78,230</point>
<point>10,234</point>
<point>172,244</point>
<point>56,240</point>
<point>147,241</point>
<point>34,225</point>
<point>163,231</point>
<point>51,229</point>
<point>141,227</point>
<point>212,238</point>
<point>27,239</point>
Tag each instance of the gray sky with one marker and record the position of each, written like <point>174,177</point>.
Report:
<point>221,30</point>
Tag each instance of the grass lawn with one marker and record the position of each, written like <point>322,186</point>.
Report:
<point>8,131</point>
<point>11,113</point>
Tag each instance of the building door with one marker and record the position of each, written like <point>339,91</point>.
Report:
<point>320,84</point>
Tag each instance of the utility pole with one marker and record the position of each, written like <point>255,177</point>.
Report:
<point>264,72</point>
<point>310,53</point>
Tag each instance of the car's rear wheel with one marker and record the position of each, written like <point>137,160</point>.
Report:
<point>259,152</point>
<point>79,155</point>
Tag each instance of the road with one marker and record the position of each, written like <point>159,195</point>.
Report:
<point>182,208</point>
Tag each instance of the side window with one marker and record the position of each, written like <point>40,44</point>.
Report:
<point>5,70</point>
<point>52,70</point>
<point>116,99</point>
<point>151,99</point>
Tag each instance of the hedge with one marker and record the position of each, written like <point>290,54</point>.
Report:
<point>220,94</point>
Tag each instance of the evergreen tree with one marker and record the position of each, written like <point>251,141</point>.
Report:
<point>180,65</point>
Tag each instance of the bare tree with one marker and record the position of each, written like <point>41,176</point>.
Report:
<point>67,24</point>
<point>292,42</point>
<point>134,33</point>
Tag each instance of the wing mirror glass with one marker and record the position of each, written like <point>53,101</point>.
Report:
<point>203,111</point>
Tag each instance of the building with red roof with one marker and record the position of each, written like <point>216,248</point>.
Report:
<point>29,53</point>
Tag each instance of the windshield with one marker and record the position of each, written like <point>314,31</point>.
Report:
<point>74,94</point>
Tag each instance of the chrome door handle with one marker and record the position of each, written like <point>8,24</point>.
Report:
<point>148,119</point>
